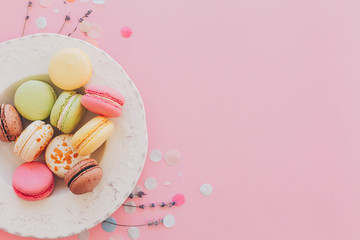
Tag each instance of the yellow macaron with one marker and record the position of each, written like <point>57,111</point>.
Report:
<point>70,68</point>
<point>92,135</point>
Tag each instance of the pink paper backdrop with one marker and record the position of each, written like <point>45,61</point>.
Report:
<point>262,99</point>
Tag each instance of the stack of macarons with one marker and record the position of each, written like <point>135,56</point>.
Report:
<point>67,155</point>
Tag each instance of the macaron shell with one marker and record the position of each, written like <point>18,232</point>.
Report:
<point>34,100</point>
<point>60,156</point>
<point>92,135</point>
<point>25,135</point>
<point>73,116</point>
<point>70,68</point>
<point>3,135</point>
<point>59,106</point>
<point>33,181</point>
<point>106,91</point>
<point>84,180</point>
<point>33,140</point>
<point>37,143</point>
<point>13,122</point>
<point>100,106</point>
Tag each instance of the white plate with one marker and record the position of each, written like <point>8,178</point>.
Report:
<point>122,157</point>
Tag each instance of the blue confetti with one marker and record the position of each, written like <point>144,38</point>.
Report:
<point>107,226</point>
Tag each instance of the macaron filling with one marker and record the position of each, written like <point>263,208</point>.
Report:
<point>86,138</point>
<point>106,98</point>
<point>21,152</point>
<point>80,172</point>
<point>35,136</point>
<point>3,127</point>
<point>65,110</point>
<point>18,192</point>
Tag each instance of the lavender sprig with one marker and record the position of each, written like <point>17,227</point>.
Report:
<point>67,18</point>
<point>149,223</point>
<point>26,17</point>
<point>152,205</point>
<point>80,20</point>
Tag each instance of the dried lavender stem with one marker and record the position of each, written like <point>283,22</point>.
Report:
<point>62,27</point>
<point>126,225</point>
<point>26,18</point>
<point>74,29</point>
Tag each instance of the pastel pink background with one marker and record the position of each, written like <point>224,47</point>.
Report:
<point>262,99</point>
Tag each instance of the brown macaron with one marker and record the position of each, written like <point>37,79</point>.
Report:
<point>84,176</point>
<point>11,124</point>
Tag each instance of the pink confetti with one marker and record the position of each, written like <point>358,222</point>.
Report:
<point>46,3</point>
<point>172,157</point>
<point>126,32</point>
<point>179,199</point>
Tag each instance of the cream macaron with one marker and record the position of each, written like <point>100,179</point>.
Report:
<point>70,68</point>
<point>60,156</point>
<point>33,140</point>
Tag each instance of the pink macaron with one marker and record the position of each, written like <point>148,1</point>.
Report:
<point>33,181</point>
<point>103,100</point>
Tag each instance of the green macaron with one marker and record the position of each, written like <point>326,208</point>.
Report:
<point>34,100</point>
<point>67,111</point>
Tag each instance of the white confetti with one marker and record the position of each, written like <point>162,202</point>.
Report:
<point>85,26</point>
<point>116,236</point>
<point>172,157</point>
<point>167,183</point>
<point>84,235</point>
<point>46,3</point>
<point>129,209</point>
<point>96,31</point>
<point>56,10</point>
<point>206,189</point>
<point>169,221</point>
<point>180,175</point>
<point>136,190</point>
<point>134,232</point>
<point>99,1</point>
<point>155,155</point>
<point>84,1</point>
<point>150,183</point>
<point>41,22</point>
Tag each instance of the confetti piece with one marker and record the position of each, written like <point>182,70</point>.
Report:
<point>167,183</point>
<point>169,221</point>
<point>116,236</point>
<point>126,32</point>
<point>83,235</point>
<point>99,1</point>
<point>150,183</point>
<point>85,26</point>
<point>41,22</point>
<point>108,227</point>
<point>93,42</point>
<point>155,155</point>
<point>180,175</point>
<point>46,3</point>
<point>134,232</point>
<point>56,10</point>
<point>136,190</point>
<point>179,199</point>
<point>206,189</point>
<point>84,1</point>
<point>70,1</point>
<point>95,32</point>
<point>128,209</point>
<point>172,157</point>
